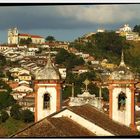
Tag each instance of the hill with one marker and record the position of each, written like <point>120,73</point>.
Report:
<point>109,45</point>
<point>135,50</point>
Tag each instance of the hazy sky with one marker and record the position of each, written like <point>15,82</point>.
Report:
<point>66,22</point>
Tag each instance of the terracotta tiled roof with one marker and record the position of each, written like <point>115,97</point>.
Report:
<point>66,127</point>
<point>101,119</point>
<point>33,36</point>
<point>55,127</point>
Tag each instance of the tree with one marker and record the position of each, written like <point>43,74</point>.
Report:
<point>15,112</point>
<point>4,85</point>
<point>6,100</point>
<point>1,73</point>
<point>68,59</point>
<point>2,60</point>
<point>87,75</point>
<point>70,78</point>
<point>50,39</point>
<point>61,56</point>
<point>28,41</point>
<point>3,116</point>
<point>137,29</point>
<point>110,41</point>
<point>27,116</point>
<point>8,74</point>
<point>105,94</point>
<point>24,41</point>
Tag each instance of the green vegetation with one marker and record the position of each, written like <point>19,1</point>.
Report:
<point>78,84</point>
<point>2,60</point>
<point>6,99</point>
<point>103,45</point>
<point>15,112</point>
<point>18,119</point>
<point>137,29</point>
<point>3,116</point>
<point>11,126</point>
<point>27,116</point>
<point>132,56</point>
<point>50,39</point>
<point>4,85</point>
<point>109,45</point>
<point>68,59</point>
<point>110,41</point>
<point>25,41</point>
<point>105,94</point>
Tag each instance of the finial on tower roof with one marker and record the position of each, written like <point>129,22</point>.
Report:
<point>122,60</point>
<point>49,58</point>
<point>48,72</point>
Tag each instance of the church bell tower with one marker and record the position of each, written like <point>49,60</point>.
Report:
<point>47,91</point>
<point>122,95</point>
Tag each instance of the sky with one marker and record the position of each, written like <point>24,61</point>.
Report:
<point>66,22</point>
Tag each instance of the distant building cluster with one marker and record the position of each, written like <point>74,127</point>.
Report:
<point>127,32</point>
<point>14,37</point>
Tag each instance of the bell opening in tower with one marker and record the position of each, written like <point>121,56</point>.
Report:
<point>46,101</point>
<point>121,101</point>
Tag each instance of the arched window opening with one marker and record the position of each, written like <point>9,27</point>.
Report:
<point>46,101</point>
<point>121,101</point>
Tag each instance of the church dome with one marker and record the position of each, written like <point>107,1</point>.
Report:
<point>122,72</point>
<point>48,72</point>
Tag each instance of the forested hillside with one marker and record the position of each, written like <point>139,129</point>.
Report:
<point>110,45</point>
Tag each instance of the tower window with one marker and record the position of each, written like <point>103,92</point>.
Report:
<point>121,101</point>
<point>46,101</point>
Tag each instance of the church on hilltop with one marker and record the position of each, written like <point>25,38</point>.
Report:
<point>14,37</point>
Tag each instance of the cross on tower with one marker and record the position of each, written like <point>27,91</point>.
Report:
<point>86,82</point>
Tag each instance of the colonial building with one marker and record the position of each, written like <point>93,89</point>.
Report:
<point>14,37</point>
<point>127,32</point>
<point>125,28</point>
<point>122,95</point>
<point>47,91</point>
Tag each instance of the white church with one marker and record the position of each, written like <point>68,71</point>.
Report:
<point>14,37</point>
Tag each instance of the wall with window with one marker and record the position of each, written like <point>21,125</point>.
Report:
<point>49,107</point>
<point>121,114</point>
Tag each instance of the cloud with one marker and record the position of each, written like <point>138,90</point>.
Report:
<point>66,17</point>
<point>104,14</point>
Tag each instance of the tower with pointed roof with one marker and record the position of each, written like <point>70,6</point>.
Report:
<point>13,36</point>
<point>122,96</point>
<point>47,91</point>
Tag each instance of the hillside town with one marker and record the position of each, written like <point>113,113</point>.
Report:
<point>104,100</point>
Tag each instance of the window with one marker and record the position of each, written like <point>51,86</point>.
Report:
<point>121,101</point>
<point>46,101</point>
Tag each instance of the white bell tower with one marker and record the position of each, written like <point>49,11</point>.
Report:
<point>122,95</point>
<point>13,36</point>
<point>47,91</point>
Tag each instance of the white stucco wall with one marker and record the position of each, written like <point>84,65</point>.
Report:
<point>85,123</point>
<point>123,117</point>
<point>53,101</point>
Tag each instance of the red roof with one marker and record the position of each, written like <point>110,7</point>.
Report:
<point>32,36</point>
